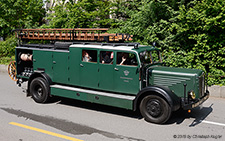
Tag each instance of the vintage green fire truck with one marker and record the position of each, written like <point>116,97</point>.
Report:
<point>94,66</point>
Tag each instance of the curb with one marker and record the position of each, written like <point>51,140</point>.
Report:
<point>3,68</point>
<point>215,90</point>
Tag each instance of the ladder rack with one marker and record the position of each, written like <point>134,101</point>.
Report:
<point>76,34</point>
<point>65,45</point>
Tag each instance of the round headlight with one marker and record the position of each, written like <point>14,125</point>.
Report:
<point>192,94</point>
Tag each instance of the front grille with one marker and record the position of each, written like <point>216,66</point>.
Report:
<point>202,85</point>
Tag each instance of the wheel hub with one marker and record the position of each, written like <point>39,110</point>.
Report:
<point>154,108</point>
<point>40,91</point>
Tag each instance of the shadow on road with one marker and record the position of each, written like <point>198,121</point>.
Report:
<point>199,113</point>
<point>100,108</point>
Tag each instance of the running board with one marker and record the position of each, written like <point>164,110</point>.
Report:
<point>111,99</point>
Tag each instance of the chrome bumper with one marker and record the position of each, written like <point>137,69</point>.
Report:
<point>191,105</point>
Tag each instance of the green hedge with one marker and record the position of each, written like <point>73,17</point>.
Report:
<point>190,35</point>
<point>7,50</point>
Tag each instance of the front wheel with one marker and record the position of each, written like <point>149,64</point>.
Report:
<point>155,109</point>
<point>39,90</point>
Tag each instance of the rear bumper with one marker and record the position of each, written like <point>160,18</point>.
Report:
<point>191,105</point>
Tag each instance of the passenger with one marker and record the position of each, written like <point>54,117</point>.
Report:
<point>125,59</point>
<point>111,57</point>
<point>108,57</point>
<point>86,57</point>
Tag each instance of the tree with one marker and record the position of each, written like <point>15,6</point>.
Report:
<point>82,14</point>
<point>20,14</point>
<point>151,20</point>
<point>201,32</point>
<point>190,33</point>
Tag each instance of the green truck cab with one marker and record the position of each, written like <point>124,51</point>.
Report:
<point>124,75</point>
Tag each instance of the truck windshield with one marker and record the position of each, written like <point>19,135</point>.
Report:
<point>150,57</point>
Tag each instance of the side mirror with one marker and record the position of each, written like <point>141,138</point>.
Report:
<point>207,71</point>
<point>207,67</point>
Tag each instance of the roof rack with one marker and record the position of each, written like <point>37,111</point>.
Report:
<point>109,44</point>
<point>72,35</point>
<point>66,45</point>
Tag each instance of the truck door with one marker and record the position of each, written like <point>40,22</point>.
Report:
<point>126,73</point>
<point>106,70</point>
<point>42,60</point>
<point>60,66</point>
<point>89,68</point>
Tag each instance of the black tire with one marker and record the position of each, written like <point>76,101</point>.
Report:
<point>39,90</point>
<point>155,109</point>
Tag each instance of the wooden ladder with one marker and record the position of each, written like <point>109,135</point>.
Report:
<point>76,34</point>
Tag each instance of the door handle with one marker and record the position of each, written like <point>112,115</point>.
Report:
<point>81,65</point>
<point>116,69</point>
<point>54,62</point>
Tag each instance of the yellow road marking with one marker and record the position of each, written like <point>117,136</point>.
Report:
<point>45,132</point>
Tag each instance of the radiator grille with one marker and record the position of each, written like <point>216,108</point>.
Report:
<point>201,85</point>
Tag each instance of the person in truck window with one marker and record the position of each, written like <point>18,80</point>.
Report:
<point>125,59</point>
<point>86,57</point>
<point>107,57</point>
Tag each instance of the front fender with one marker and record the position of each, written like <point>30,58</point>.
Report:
<point>164,92</point>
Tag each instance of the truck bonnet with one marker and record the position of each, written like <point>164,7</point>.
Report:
<point>176,78</point>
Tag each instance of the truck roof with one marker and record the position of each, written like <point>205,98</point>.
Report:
<point>105,46</point>
<point>138,49</point>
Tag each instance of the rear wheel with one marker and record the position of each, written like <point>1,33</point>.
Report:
<point>39,90</point>
<point>155,109</point>
<point>12,70</point>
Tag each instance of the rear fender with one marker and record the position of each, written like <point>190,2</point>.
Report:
<point>38,74</point>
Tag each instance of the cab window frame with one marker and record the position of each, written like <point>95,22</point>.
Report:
<point>92,53</point>
<point>101,57</point>
<point>127,65</point>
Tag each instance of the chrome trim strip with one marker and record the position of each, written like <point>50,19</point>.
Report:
<point>124,48</point>
<point>174,73</point>
<point>94,92</point>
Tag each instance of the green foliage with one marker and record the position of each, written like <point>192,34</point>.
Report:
<point>149,22</point>
<point>83,14</point>
<point>190,33</point>
<point>20,14</point>
<point>7,50</point>
<point>200,32</point>
<point>6,60</point>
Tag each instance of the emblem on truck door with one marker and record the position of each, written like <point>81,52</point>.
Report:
<point>126,72</point>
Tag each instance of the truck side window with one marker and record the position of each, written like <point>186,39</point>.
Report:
<point>125,58</point>
<point>89,56</point>
<point>106,57</point>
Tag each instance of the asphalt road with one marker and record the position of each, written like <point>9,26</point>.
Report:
<point>21,119</point>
